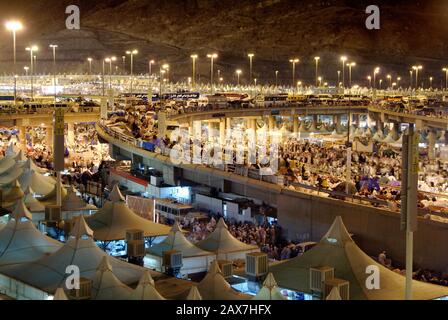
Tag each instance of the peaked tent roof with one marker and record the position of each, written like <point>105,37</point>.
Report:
<point>40,184</point>
<point>269,291</point>
<point>115,217</point>
<point>6,164</point>
<point>222,241</point>
<point>14,194</point>
<point>72,202</point>
<point>194,294</point>
<point>336,249</point>
<point>80,250</point>
<point>215,287</point>
<point>32,203</point>
<point>146,289</point>
<point>334,295</point>
<point>21,242</point>
<point>11,175</point>
<point>106,285</point>
<point>60,295</point>
<point>176,241</point>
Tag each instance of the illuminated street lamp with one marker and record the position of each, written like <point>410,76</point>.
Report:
<point>251,56</point>
<point>446,77</point>
<point>375,72</point>
<point>339,78</point>
<point>398,81</point>
<point>343,59</point>
<point>381,81</point>
<point>132,53</point>
<point>212,57</point>
<point>238,73</point>
<point>319,79</point>
<point>90,65</point>
<point>276,78</point>
<point>294,61</point>
<point>151,62</point>
<point>166,67</point>
<point>316,59</point>
<point>389,77</point>
<point>32,49</point>
<point>26,70</point>
<point>416,68</point>
<point>370,81</point>
<point>54,47</point>
<point>350,66</point>
<point>14,26</point>
<point>255,81</point>
<point>123,59</point>
<point>194,57</point>
<point>430,82</point>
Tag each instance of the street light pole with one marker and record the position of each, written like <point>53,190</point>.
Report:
<point>212,57</point>
<point>251,56</point>
<point>350,66</point>
<point>193,78</point>
<point>276,78</point>
<point>14,26</point>
<point>32,49</point>
<point>238,73</point>
<point>132,53</point>
<point>54,46</point>
<point>343,59</point>
<point>317,69</point>
<point>90,65</point>
<point>294,61</point>
<point>446,77</point>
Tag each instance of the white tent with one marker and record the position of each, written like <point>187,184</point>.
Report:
<point>389,139</point>
<point>334,295</point>
<point>21,242</point>
<point>73,202</point>
<point>336,249</point>
<point>13,195</point>
<point>6,164</point>
<point>194,259</point>
<point>106,285</point>
<point>378,136</point>
<point>224,245</point>
<point>31,202</point>
<point>194,294</point>
<point>60,295</point>
<point>215,287</point>
<point>111,222</point>
<point>49,273</point>
<point>269,291</point>
<point>11,175</point>
<point>41,185</point>
<point>146,289</point>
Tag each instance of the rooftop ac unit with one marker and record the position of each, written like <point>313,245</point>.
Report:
<point>136,248</point>
<point>172,259</point>
<point>84,292</point>
<point>134,234</point>
<point>256,264</point>
<point>53,213</point>
<point>318,275</point>
<point>342,285</point>
<point>226,268</point>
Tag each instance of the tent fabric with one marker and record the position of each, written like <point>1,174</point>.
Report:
<point>269,291</point>
<point>60,295</point>
<point>80,250</point>
<point>31,202</point>
<point>222,241</point>
<point>11,175</point>
<point>176,240</point>
<point>6,164</point>
<point>72,202</point>
<point>111,222</point>
<point>194,294</point>
<point>13,195</point>
<point>337,250</point>
<point>334,295</point>
<point>106,286</point>
<point>146,289</point>
<point>215,287</point>
<point>40,184</point>
<point>21,242</point>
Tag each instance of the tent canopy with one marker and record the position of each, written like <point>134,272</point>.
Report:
<point>176,241</point>
<point>222,241</point>
<point>72,202</point>
<point>106,286</point>
<point>146,289</point>
<point>111,222</point>
<point>269,291</point>
<point>337,250</point>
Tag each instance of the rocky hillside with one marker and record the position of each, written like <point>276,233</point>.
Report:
<point>411,32</point>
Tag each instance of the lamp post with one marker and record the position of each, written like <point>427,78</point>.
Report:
<point>103,75</point>
<point>14,26</point>
<point>389,77</point>
<point>294,61</point>
<point>416,68</point>
<point>193,78</point>
<point>370,81</point>
<point>212,58</point>
<point>151,62</point>
<point>430,82</point>
<point>343,59</point>
<point>238,74</point>
<point>26,70</point>
<point>446,78</point>
<point>381,81</point>
<point>132,53</point>
<point>90,65</point>
<point>54,47</point>
<point>316,59</point>
<point>251,56</point>
<point>276,78</point>
<point>123,58</point>
<point>375,72</point>
<point>350,66</point>
<point>339,78</point>
<point>398,82</point>
<point>32,49</point>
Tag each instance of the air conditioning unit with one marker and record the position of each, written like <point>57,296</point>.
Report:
<point>156,181</point>
<point>226,268</point>
<point>342,285</point>
<point>136,248</point>
<point>318,275</point>
<point>134,235</point>
<point>256,264</point>
<point>172,259</point>
<point>53,213</point>
<point>84,292</point>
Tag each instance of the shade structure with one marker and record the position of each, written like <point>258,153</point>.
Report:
<point>334,295</point>
<point>49,273</point>
<point>106,286</point>
<point>13,195</point>
<point>215,287</point>
<point>6,164</point>
<point>194,294</point>
<point>337,250</point>
<point>9,176</point>
<point>60,295</point>
<point>146,289</point>
<point>194,259</point>
<point>224,245</point>
<point>50,198</point>
<point>41,184</point>
<point>270,290</point>
<point>111,222</point>
<point>21,242</point>
<point>31,202</point>
<point>378,136</point>
<point>73,202</point>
